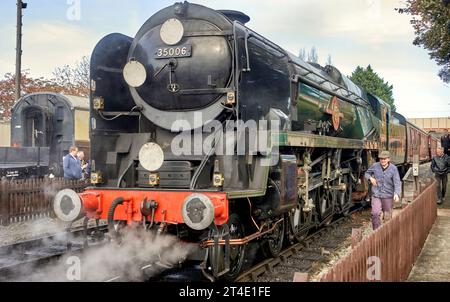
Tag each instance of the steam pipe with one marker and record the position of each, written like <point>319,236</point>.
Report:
<point>112,209</point>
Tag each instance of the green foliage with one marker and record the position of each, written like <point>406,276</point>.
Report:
<point>368,79</point>
<point>431,22</point>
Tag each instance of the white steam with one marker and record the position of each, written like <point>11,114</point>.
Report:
<point>140,255</point>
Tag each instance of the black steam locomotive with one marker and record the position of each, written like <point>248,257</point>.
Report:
<point>43,128</point>
<point>203,128</point>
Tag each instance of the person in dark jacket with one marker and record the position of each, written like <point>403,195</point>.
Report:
<point>386,188</point>
<point>445,142</point>
<point>440,165</point>
<point>71,165</point>
<point>85,171</point>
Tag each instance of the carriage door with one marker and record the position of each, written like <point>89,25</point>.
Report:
<point>35,128</point>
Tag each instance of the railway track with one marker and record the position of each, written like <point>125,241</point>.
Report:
<point>306,255</point>
<point>305,252</point>
<point>21,258</point>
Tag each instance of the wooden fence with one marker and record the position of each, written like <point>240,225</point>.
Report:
<point>30,199</point>
<point>389,253</point>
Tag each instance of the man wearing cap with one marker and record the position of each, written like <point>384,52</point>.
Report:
<point>386,188</point>
<point>440,165</point>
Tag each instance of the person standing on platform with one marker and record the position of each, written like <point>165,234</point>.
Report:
<point>84,165</point>
<point>386,188</point>
<point>445,142</point>
<point>440,165</point>
<point>71,165</point>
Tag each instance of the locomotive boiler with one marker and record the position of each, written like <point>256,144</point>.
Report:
<point>202,128</point>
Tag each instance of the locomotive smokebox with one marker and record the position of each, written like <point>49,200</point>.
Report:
<point>181,61</point>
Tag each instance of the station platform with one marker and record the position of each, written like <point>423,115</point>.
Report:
<point>433,264</point>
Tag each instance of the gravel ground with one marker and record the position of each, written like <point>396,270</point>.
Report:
<point>359,220</point>
<point>22,231</point>
<point>323,253</point>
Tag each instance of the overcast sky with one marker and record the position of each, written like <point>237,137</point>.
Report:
<point>353,32</point>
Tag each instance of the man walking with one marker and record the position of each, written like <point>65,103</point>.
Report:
<point>71,165</point>
<point>440,166</point>
<point>386,188</point>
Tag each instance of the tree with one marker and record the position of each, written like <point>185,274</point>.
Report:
<point>76,76</point>
<point>67,80</point>
<point>313,56</point>
<point>431,23</point>
<point>369,80</point>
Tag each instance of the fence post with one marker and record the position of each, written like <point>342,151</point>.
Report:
<point>4,201</point>
<point>53,189</point>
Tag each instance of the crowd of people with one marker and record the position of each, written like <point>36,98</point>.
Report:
<point>74,165</point>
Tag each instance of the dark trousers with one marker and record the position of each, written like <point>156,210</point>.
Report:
<point>381,206</point>
<point>441,185</point>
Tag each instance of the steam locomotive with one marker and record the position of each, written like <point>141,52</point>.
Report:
<point>44,126</point>
<point>176,113</point>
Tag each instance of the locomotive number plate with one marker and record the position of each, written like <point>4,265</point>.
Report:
<point>174,52</point>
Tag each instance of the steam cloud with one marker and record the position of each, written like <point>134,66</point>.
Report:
<point>139,256</point>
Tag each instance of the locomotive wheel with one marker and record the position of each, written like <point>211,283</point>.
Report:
<point>273,246</point>
<point>306,220</point>
<point>237,252</point>
<point>324,206</point>
<point>299,232</point>
<point>345,198</point>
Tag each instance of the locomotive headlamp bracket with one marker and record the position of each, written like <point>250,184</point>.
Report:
<point>180,8</point>
<point>96,178</point>
<point>98,103</point>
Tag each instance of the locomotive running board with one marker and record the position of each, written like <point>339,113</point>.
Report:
<point>298,139</point>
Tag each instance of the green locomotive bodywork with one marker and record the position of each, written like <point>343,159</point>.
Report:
<point>314,112</point>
